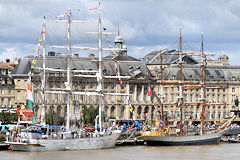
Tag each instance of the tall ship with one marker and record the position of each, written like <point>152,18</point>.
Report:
<point>166,135</point>
<point>32,140</point>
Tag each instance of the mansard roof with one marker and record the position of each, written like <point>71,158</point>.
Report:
<point>154,58</point>
<point>193,72</point>
<point>59,62</point>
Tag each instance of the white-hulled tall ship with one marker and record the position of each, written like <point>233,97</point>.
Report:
<point>31,140</point>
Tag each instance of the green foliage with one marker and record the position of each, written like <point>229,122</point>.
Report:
<point>7,117</point>
<point>53,118</point>
<point>111,117</point>
<point>89,115</point>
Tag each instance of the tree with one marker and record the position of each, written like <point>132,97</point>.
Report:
<point>89,115</point>
<point>53,118</point>
<point>8,117</point>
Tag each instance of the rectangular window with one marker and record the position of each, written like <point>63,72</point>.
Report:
<point>224,98</point>
<point>172,97</point>
<point>233,89</point>
<point>191,97</point>
<point>9,91</point>
<point>166,97</point>
<point>75,97</point>
<point>75,84</point>
<point>213,97</point>
<point>105,85</point>
<point>137,97</point>
<point>9,102</point>
<point>233,98</point>
<point>112,99</point>
<point>58,97</point>
<point>25,82</point>
<point>122,98</point>
<point>2,102</point>
<point>58,84</point>
<point>83,98</point>
<point>112,85</point>
<point>2,91</point>
<point>35,96</point>
<point>83,86</point>
<point>51,84</point>
<point>130,98</point>
<point>91,85</point>
<point>18,95</point>
<point>105,98</point>
<point>50,98</point>
<point>145,97</point>
<point>90,99</point>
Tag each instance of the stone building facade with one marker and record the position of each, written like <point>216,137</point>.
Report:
<point>7,85</point>
<point>222,86</point>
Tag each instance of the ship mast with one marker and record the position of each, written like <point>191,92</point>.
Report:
<point>68,65</point>
<point>161,90</point>
<point>180,85</point>
<point>43,121</point>
<point>203,93</point>
<point>99,77</point>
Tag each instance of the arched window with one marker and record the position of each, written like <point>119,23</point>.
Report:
<point>36,109</point>
<point>122,111</point>
<point>51,109</point>
<point>65,111</point>
<point>59,109</point>
<point>146,112</point>
<point>112,110</point>
<point>139,111</point>
<point>105,110</point>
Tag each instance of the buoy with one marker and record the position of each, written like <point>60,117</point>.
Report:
<point>9,148</point>
<point>14,140</point>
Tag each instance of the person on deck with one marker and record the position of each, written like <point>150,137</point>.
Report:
<point>137,124</point>
<point>124,127</point>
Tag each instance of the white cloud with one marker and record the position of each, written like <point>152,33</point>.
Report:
<point>8,53</point>
<point>145,25</point>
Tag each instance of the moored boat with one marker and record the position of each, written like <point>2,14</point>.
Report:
<point>32,138</point>
<point>171,140</point>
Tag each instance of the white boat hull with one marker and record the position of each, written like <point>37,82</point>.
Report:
<point>67,144</point>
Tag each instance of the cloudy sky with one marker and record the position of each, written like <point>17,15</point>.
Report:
<point>145,25</point>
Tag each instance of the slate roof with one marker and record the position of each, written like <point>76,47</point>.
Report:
<point>154,58</point>
<point>126,66</point>
<point>193,72</point>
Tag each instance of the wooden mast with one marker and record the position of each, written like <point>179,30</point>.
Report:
<point>180,85</point>
<point>203,86</point>
<point>161,89</point>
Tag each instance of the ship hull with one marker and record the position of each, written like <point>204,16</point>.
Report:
<point>67,144</point>
<point>183,140</point>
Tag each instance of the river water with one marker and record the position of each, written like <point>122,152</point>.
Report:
<point>208,152</point>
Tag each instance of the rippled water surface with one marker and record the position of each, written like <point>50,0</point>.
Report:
<point>208,152</point>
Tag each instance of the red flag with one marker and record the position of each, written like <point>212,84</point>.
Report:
<point>149,91</point>
<point>42,32</point>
